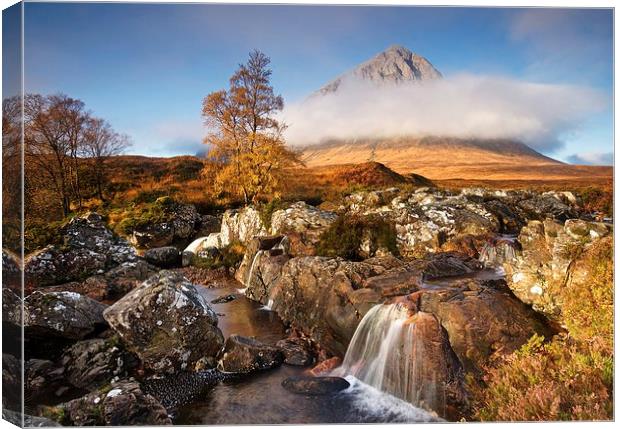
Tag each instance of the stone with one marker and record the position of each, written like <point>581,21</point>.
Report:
<point>179,225</point>
<point>89,248</point>
<point>304,385</point>
<point>303,224</point>
<point>244,355</point>
<point>89,364</point>
<point>123,403</point>
<point>296,351</point>
<point>163,257</point>
<point>167,323</point>
<point>325,367</point>
<point>67,315</point>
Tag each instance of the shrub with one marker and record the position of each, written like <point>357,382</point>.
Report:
<point>559,380</point>
<point>346,234</point>
<point>266,210</point>
<point>570,377</point>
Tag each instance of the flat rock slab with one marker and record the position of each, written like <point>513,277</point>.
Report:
<point>307,385</point>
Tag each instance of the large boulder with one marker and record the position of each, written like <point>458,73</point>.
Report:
<point>177,224</point>
<point>65,315</point>
<point>89,248</point>
<point>538,273</point>
<point>123,403</point>
<point>167,323</point>
<point>244,355</point>
<point>303,224</point>
<point>241,225</point>
<point>296,351</point>
<point>482,318</point>
<point>261,265</point>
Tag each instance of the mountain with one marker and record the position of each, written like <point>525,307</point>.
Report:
<point>436,157</point>
<point>395,65</point>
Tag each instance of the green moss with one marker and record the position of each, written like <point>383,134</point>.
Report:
<point>57,414</point>
<point>136,217</point>
<point>229,257</point>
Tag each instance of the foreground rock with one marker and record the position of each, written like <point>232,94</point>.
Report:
<point>167,323</point>
<point>66,315</point>
<point>244,355</point>
<point>306,385</point>
<point>121,404</point>
<point>92,363</point>
<point>538,273</point>
<point>88,248</point>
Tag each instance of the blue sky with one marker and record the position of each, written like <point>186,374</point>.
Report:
<point>146,68</point>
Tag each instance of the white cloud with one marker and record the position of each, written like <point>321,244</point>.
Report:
<point>462,106</point>
<point>592,158</point>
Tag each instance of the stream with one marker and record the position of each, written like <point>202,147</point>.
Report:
<point>259,398</point>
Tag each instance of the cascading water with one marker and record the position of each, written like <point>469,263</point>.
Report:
<point>385,353</point>
<point>498,251</point>
<point>252,266</point>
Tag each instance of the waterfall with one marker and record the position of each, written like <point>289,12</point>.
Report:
<point>385,353</point>
<point>248,279</point>
<point>498,251</point>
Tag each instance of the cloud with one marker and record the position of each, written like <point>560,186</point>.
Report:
<point>592,158</point>
<point>462,106</point>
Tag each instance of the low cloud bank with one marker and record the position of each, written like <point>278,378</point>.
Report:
<point>463,106</point>
<point>592,158</point>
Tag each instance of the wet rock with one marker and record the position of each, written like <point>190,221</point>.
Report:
<point>122,404</point>
<point>163,257</point>
<point>325,367</point>
<point>303,224</point>
<point>445,264</point>
<point>167,323</point>
<point>67,315</point>
<point>296,351</point>
<point>261,266</point>
<point>244,354</point>
<point>91,363</point>
<point>541,269</point>
<point>89,248</point>
<point>305,385</point>
<point>180,224</point>
<point>223,299</point>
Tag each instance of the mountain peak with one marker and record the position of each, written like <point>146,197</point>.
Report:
<point>395,65</point>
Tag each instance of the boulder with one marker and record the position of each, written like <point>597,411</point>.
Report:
<point>10,269</point>
<point>89,364</point>
<point>123,403</point>
<point>261,266</point>
<point>208,224</point>
<point>43,379</point>
<point>305,385</point>
<point>178,224</point>
<point>66,315</point>
<point>481,318</point>
<point>163,257</point>
<point>244,355</point>
<point>296,351</point>
<point>540,270</point>
<point>112,284</point>
<point>303,224</point>
<point>11,308</point>
<point>89,248</point>
<point>240,225</point>
<point>167,323</point>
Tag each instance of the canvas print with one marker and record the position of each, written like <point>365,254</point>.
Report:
<point>220,214</point>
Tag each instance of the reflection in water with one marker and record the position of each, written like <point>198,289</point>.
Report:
<point>260,398</point>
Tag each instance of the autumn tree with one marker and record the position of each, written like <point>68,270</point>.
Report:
<point>245,137</point>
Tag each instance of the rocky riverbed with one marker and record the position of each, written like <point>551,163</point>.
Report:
<point>117,335</point>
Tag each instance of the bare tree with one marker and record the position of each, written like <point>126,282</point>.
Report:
<point>100,143</point>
